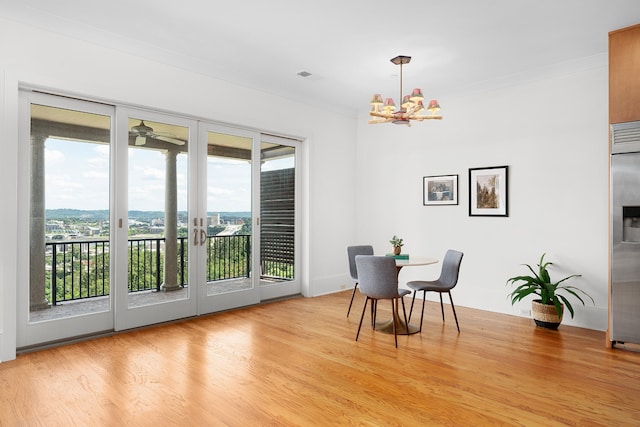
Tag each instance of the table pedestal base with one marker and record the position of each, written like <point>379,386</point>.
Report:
<point>401,327</point>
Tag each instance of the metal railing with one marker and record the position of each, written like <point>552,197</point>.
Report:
<point>277,254</point>
<point>79,269</point>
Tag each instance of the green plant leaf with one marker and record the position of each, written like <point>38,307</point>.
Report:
<point>544,295</point>
<point>527,279</point>
<point>567,278</point>
<point>575,292</point>
<point>558,306</point>
<point>535,275</point>
<point>566,304</point>
<point>521,293</point>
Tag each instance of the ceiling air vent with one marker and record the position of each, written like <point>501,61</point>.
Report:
<point>625,137</point>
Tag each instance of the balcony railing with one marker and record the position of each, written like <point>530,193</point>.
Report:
<point>78,269</point>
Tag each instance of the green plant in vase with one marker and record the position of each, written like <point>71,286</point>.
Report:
<point>548,308</point>
<point>397,244</point>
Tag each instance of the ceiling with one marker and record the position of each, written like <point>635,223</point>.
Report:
<point>457,46</point>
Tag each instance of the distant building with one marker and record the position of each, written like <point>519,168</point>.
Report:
<point>54,226</point>
<point>213,219</point>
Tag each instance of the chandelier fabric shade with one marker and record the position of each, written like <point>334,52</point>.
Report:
<point>410,108</point>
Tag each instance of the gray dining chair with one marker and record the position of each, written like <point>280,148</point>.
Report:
<point>447,281</point>
<point>378,280</point>
<point>352,251</point>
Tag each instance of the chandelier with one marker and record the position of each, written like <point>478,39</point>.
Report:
<point>385,112</point>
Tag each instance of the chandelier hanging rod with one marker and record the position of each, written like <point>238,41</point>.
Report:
<point>410,107</point>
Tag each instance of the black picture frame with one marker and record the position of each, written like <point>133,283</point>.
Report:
<point>440,190</point>
<point>489,191</point>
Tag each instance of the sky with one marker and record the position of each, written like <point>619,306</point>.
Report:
<point>77,177</point>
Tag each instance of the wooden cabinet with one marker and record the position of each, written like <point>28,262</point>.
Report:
<point>624,75</point>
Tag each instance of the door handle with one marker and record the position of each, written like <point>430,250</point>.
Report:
<point>195,237</point>
<point>203,237</point>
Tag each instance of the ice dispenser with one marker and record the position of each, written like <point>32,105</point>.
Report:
<point>631,224</point>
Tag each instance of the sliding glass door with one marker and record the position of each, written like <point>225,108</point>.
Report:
<point>153,261</point>
<point>226,214</point>
<point>278,230</point>
<point>66,149</point>
<point>249,208</point>
<point>136,217</point>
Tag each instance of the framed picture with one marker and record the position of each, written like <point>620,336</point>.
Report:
<point>440,190</point>
<point>488,191</point>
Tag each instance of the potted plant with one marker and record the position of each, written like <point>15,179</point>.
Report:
<point>397,244</point>
<point>548,308</point>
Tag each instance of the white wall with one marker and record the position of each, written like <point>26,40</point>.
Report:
<point>552,133</point>
<point>363,183</point>
<point>35,57</point>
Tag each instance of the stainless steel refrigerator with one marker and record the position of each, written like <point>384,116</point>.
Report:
<point>625,233</point>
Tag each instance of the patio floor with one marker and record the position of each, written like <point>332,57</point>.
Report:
<point>136,299</point>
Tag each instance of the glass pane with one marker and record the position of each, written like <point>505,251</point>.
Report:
<point>158,241</point>
<point>228,241</point>
<point>277,213</point>
<point>69,213</point>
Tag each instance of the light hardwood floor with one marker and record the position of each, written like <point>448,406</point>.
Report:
<point>295,363</point>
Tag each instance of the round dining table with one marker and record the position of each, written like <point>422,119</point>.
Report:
<point>403,328</point>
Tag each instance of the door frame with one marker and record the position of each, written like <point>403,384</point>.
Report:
<point>131,317</point>
<point>38,333</point>
<point>225,301</point>
<point>292,287</point>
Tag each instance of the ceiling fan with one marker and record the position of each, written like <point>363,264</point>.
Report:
<point>142,131</point>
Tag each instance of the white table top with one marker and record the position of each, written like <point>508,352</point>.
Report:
<point>416,260</point>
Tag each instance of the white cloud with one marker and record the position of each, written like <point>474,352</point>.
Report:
<point>51,156</point>
<point>96,174</point>
<point>62,182</point>
<point>153,173</point>
<point>98,163</point>
<point>216,191</point>
<point>102,150</point>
